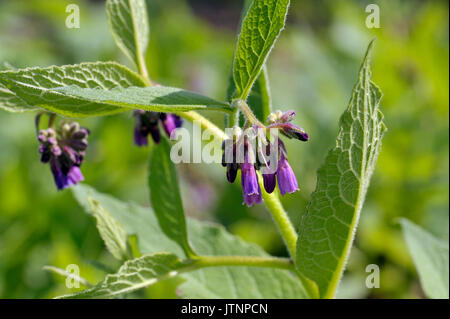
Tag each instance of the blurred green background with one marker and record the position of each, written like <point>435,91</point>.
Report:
<point>312,70</point>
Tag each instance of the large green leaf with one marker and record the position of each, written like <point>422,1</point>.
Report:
<point>327,229</point>
<point>110,230</point>
<point>36,86</point>
<point>430,255</point>
<point>129,25</point>
<point>165,196</point>
<point>11,103</point>
<point>154,98</point>
<point>206,239</point>
<point>133,275</point>
<point>261,27</point>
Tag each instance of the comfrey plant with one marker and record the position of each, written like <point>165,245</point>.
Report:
<point>160,242</point>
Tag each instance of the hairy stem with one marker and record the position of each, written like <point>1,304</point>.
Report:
<point>281,219</point>
<point>204,123</point>
<point>233,118</point>
<point>248,113</point>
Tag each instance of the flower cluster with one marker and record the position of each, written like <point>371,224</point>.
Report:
<point>147,123</point>
<point>239,153</point>
<point>64,149</point>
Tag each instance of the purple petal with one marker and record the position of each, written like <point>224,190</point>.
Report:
<point>250,186</point>
<point>286,177</point>
<point>60,178</point>
<point>170,122</point>
<point>56,150</point>
<point>75,175</point>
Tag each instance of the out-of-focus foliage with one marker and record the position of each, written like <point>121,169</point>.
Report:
<point>311,70</point>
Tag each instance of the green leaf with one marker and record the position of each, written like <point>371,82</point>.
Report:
<point>36,86</point>
<point>110,230</point>
<point>11,103</point>
<point>133,275</point>
<point>430,256</point>
<point>327,229</point>
<point>165,196</point>
<point>261,27</point>
<point>259,99</point>
<point>129,25</point>
<point>154,98</point>
<point>206,239</point>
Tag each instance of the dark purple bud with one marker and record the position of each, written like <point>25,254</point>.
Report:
<point>154,131</point>
<point>232,170</point>
<point>140,137</point>
<point>286,177</point>
<point>81,134</point>
<point>45,153</point>
<point>79,145</point>
<point>294,131</point>
<point>60,178</point>
<point>250,186</point>
<point>178,121</point>
<point>224,164</point>
<point>269,182</point>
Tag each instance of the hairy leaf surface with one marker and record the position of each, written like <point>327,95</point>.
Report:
<point>261,27</point>
<point>206,239</point>
<point>110,230</point>
<point>11,103</point>
<point>129,25</point>
<point>327,229</point>
<point>36,86</point>
<point>133,275</point>
<point>154,98</point>
<point>165,196</point>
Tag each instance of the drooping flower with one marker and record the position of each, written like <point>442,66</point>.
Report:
<point>287,182</point>
<point>250,186</point>
<point>147,123</point>
<point>64,149</point>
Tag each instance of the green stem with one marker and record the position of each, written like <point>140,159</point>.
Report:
<point>281,219</point>
<point>249,261</point>
<point>204,123</point>
<point>248,113</point>
<point>233,118</point>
